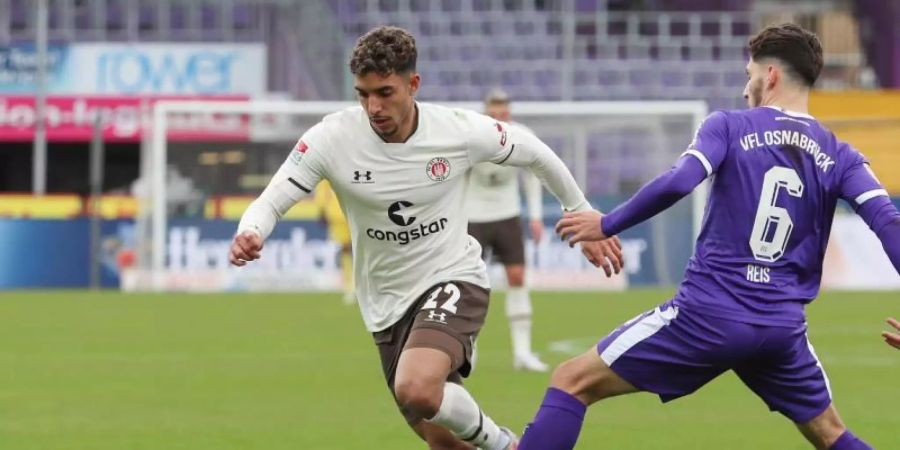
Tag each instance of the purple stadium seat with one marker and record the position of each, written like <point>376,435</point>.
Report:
<point>209,16</point>
<point>451,5</point>
<point>586,6</point>
<point>672,78</point>
<point>706,78</point>
<point>20,14</point>
<point>148,18</point>
<point>115,15</point>
<point>178,16</point>
<point>242,17</point>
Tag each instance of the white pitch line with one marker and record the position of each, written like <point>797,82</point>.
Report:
<point>573,347</point>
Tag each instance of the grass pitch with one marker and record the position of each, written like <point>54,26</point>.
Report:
<point>110,371</point>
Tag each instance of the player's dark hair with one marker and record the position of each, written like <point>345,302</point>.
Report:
<point>384,50</point>
<point>799,49</point>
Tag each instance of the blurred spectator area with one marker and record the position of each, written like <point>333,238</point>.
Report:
<point>536,49</point>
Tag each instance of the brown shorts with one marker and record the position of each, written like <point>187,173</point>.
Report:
<point>447,317</point>
<point>503,239</point>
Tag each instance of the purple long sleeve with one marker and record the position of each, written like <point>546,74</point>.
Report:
<point>883,218</point>
<point>657,195</point>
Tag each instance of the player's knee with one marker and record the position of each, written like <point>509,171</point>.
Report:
<point>515,276</point>
<point>418,397</point>
<point>569,378</point>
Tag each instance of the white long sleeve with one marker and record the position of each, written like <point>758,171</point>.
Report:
<point>278,197</point>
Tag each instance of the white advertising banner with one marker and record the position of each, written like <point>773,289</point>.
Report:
<point>144,69</point>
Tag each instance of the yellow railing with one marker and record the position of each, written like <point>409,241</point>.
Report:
<point>67,206</point>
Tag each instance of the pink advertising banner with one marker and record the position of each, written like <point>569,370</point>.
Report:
<point>125,119</point>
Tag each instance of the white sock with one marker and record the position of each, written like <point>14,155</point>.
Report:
<point>518,311</point>
<point>461,415</point>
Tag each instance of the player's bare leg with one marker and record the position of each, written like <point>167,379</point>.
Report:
<point>438,437</point>
<point>421,389</point>
<point>587,378</point>
<point>827,432</point>
<point>518,311</point>
<point>575,384</point>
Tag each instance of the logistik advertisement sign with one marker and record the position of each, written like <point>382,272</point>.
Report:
<point>124,118</point>
<point>139,69</point>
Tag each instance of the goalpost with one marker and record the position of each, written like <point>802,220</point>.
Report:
<point>611,147</point>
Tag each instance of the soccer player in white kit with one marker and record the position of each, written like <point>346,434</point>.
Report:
<point>494,208</point>
<point>399,170</point>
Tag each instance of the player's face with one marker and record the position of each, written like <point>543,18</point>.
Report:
<point>499,111</point>
<point>388,101</point>
<point>753,91</point>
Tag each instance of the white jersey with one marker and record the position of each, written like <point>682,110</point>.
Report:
<point>404,202</point>
<point>493,192</point>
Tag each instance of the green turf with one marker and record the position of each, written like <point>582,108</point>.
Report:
<point>109,371</point>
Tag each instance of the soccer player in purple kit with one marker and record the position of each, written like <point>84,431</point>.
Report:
<point>778,174</point>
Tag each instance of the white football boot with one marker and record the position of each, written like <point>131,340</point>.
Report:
<point>529,363</point>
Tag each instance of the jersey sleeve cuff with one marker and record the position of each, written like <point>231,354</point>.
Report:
<point>869,195</point>
<point>608,225</point>
<point>702,158</point>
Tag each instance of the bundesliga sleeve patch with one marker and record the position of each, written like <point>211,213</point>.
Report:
<point>298,151</point>
<point>503,134</point>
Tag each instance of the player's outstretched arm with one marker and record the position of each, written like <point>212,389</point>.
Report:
<point>263,214</point>
<point>893,339</point>
<point>532,188</point>
<point>655,197</point>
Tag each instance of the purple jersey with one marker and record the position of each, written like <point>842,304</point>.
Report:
<point>777,178</point>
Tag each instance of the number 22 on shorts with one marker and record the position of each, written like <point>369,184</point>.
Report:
<point>450,304</point>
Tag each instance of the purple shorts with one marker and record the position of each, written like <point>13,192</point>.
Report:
<point>672,352</point>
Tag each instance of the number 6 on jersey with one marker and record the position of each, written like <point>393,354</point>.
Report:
<point>767,244</point>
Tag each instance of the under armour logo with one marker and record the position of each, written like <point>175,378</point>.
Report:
<point>435,316</point>
<point>362,176</point>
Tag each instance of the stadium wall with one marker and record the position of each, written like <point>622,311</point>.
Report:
<point>56,251</point>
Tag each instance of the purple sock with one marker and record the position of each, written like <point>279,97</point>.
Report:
<point>556,424</point>
<point>848,441</point>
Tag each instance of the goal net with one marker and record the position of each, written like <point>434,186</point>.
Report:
<point>206,160</point>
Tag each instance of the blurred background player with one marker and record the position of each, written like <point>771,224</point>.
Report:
<point>339,232</point>
<point>494,208</point>
<point>757,264</point>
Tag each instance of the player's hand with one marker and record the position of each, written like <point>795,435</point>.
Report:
<point>245,247</point>
<point>537,230</point>
<point>606,254</point>
<point>580,226</point>
<point>893,339</point>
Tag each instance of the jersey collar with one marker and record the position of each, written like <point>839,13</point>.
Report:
<point>791,113</point>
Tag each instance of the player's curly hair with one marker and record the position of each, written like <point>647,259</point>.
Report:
<point>384,50</point>
<point>796,47</point>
